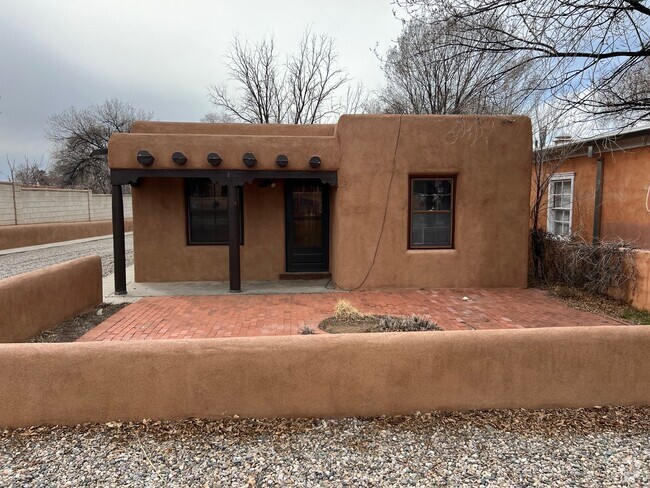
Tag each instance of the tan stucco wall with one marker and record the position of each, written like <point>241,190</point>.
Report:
<point>637,294</point>
<point>35,301</point>
<point>626,177</point>
<point>324,376</point>
<point>161,251</point>
<point>123,149</point>
<point>490,157</point>
<point>13,236</point>
<point>155,127</point>
<point>373,157</point>
<point>640,294</point>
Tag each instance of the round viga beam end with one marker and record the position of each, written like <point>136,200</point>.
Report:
<point>282,160</point>
<point>145,158</point>
<point>249,160</point>
<point>314,162</point>
<point>179,158</point>
<point>214,159</point>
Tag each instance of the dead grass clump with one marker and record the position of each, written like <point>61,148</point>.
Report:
<point>344,310</point>
<point>414,323</point>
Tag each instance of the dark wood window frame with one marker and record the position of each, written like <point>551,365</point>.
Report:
<point>451,211</point>
<point>188,212</point>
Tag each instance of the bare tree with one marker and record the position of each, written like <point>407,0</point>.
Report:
<point>77,132</point>
<point>313,78</point>
<point>260,84</point>
<point>588,51</point>
<point>28,173</point>
<point>303,89</point>
<point>547,159</point>
<point>425,74</point>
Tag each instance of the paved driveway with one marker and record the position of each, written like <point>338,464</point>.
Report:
<point>199,317</point>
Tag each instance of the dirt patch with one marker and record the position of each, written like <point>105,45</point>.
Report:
<point>376,323</point>
<point>72,329</point>
<point>599,304</point>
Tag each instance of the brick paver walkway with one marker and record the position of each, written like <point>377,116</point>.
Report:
<point>284,314</point>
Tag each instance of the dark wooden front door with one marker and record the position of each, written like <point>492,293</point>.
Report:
<point>307,224</point>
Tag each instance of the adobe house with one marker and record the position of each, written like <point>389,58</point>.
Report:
<point>600,188</point>
<point>375,200</point>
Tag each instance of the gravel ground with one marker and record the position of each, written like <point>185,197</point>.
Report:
<point>594,447</point>
<point>21,262</point>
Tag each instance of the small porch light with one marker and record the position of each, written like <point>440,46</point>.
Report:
<point>249,160</point>
<point>145,158</point>
<point>282,160</point>
<point>179,158</point>
<point>314,162</point>
<point>214,159</point>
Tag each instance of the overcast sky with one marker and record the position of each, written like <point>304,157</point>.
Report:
<point>159,55</point>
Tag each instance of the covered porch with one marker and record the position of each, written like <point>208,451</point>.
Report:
<point>304,215</point>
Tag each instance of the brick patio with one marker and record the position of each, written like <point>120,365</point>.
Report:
<point>199,317</point>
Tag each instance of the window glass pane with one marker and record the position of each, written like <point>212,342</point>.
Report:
<point>207,227</point>
<point>208,212</point>
<point>565,201</point>
<point>434,194</point>
<point>431,229</point>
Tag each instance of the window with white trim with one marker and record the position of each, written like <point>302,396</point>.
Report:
<point>560,204</point>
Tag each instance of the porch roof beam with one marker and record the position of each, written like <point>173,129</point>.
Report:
<point>226,177</point>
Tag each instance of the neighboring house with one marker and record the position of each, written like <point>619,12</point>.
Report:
<point>377,201</point>
<point>600,188</point>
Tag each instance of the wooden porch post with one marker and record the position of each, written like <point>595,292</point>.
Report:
<point>233,238</point>
<point>119,253</point>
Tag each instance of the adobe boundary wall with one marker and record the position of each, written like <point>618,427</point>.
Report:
<point>14,236</point>
<point>638,295</point>
<point>324,375</point>
<point>23,205</point>
<point>35,301</point>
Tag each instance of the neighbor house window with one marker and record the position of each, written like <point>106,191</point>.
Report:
<point>431,213</point>
<point>207,212</point>
<point>560,204</point>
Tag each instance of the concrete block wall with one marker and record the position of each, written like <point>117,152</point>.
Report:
<point>7,208</point>
<point>39,206</point>
<point>100,207</point>
<point>20,205</point>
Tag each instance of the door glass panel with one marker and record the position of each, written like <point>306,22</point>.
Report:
<point>307,202</point>
<point>307,233</point>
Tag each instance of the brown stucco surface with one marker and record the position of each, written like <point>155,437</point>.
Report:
<point>490,158</point>
<point>13,236</point>
<point>374,157</point>
<point>161,252</point>
<point>324,376</point>
<point>637,294</point>
<point>640,294</point>
<point>147,127</point>
<point>231,148</point>
<point>35,301</point>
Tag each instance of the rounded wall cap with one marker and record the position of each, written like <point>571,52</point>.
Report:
<point>282,160</point>
<point>214,159</point>
<point>314,162</point>
<point>145,158</point>
<point>179,158</point>
<point>249,160</point>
